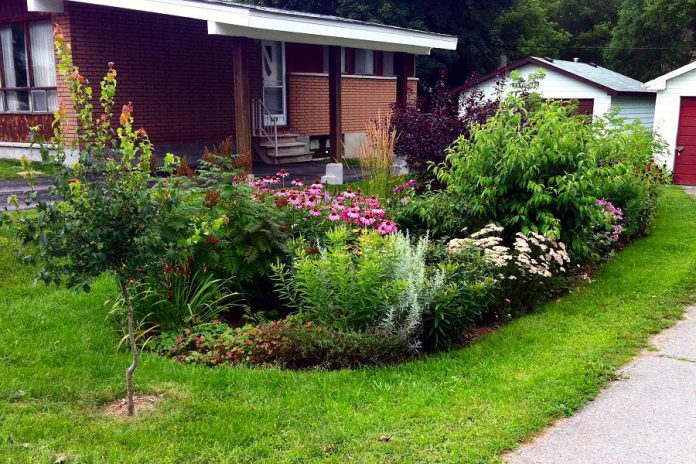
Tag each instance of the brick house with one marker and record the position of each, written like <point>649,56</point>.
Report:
<point>281,83</point>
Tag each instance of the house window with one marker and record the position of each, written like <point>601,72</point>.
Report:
<point>364,61</point>
<point>388,63</point>
<point>27,68</point>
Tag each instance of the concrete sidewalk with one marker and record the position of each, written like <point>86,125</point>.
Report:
<point>648,417</point>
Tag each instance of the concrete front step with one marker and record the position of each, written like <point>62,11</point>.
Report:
<point>292,148</point>
<point>287,159</point>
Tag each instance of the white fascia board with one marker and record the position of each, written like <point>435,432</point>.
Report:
<point>660,83</point>
<point>45,6</point>
<point>277,25</point>
<point>181,8</point>
<point>217,28</point>
<point>337,30</point>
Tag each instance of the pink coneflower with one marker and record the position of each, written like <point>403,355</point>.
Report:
<point>378,212</point>
<point>294,200</point>
<point>368,220</point>
<point>386,227</point>
<point>311,202</point>
<point>351,214</point>
<point>339,206</point>
<point>315,212</point>
<point>333,216</point>
<point>314,191</point>
<point>349,194</point>
<point>283,174</point>
<point>257,183</point>
<point>318,185</point>
<point>297,183</point>
<point>282,193</point>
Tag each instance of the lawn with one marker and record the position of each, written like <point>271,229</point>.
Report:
<point>9,168</point>
<point>59,367</point>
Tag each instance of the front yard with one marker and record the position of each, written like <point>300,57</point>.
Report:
<point>60,367</point>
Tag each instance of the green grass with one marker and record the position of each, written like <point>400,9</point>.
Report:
<point>10,168</point>
<point>59,367</point>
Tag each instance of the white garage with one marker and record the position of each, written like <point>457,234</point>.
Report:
<point>675,120</point>
<point>597,89</point>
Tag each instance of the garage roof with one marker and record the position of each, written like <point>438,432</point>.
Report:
<point>604,79</point>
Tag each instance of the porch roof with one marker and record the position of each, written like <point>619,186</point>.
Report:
<point>226,17</point>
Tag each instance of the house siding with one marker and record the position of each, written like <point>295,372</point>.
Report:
<point>178,77</point>
<point>632,108</point>
<point>557,86</point>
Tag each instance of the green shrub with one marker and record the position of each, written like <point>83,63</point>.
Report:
<point>537,167</point>
<point>377,283</point>
<point>470,289</point>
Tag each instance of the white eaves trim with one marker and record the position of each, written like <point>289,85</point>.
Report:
<point>276,24</point>
<point>660,83</point>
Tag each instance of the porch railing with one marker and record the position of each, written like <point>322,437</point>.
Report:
<point>263,123</point>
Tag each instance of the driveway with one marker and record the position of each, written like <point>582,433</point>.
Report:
<point>648,417</point>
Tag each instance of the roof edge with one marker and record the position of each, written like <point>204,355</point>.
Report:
<point>547,65</point>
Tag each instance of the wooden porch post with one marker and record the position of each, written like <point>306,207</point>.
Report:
<point>335,130</point>
<point>400,68</point>
<point>242,102</point>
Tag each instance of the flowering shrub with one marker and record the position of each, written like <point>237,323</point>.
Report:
<point>613,217</point>
<point>530,256</point>
<point>368,283</point>
<point>349,207</point>
<point>524,268</point>
<point>286,343</point>
<point>536,167</point>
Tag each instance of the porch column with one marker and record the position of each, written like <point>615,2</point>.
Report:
<point>335,129</point>
<point>242,102</point>
<point>400,68</point>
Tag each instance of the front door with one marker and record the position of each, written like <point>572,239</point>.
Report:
<point>273,65</point>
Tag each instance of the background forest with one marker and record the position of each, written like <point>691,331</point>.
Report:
<point>640,38</point>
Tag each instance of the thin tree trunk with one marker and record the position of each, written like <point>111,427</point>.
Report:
<point>133,346</point>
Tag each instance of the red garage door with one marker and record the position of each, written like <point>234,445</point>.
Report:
<point>685,162</point>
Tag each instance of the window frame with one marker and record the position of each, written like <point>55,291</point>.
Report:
<point>30,72</point>
<point>365,52</point>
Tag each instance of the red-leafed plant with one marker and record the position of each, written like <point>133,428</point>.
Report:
<point>427,127</point>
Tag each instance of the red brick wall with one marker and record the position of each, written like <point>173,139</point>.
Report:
<point>362,99</point>
<point>178,77</point>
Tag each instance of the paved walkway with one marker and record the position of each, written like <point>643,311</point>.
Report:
<point>308,172</point>
<point>648,417</point>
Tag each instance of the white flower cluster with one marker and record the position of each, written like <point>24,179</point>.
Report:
<point>530,255</point>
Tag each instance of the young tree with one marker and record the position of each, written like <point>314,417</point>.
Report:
<point>105,216</point>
